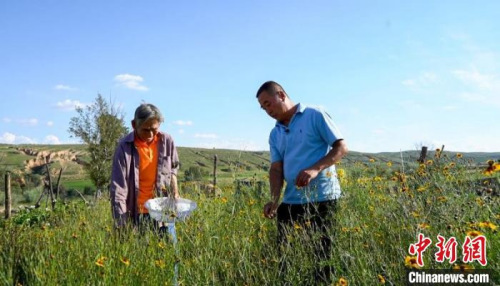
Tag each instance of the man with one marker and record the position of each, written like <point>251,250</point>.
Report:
<point>145,166</point>
<point>305,144</point>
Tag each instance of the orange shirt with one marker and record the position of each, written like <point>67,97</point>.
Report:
<point>148,165</point>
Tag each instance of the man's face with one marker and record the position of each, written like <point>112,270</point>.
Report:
<point>148,130</point>
<point>273,104</point>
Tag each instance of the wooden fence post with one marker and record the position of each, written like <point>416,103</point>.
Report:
<point>8,200</point>
<point>58,183</point>
<point>423,154</point>
<point>215,173</point>
<point>51,192</point>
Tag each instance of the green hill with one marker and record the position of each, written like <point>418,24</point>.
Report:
<point>23,160</point>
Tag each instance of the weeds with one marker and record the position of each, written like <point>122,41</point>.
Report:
<point>228,241</point>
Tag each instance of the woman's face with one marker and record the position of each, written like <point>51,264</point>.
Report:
<point>148,130</point>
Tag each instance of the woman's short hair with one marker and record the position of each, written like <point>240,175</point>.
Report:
<point>145,112</point>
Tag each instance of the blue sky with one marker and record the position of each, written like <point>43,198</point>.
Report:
<point>393,74</point>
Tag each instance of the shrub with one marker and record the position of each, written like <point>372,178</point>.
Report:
<point>89,191</point>
<point>195,173</point>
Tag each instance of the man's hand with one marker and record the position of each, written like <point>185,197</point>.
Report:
<point>305,177</point>
<point>270,209</point>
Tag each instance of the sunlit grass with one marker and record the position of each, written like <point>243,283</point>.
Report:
<point>228,241</point>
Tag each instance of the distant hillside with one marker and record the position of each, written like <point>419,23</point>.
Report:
<point>26,158</point>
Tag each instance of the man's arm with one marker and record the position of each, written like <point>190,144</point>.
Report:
<point>276,179</point>
<point>339,150</point>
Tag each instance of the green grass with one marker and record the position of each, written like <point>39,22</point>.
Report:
<point>228,242</point>
<point>78,184</point>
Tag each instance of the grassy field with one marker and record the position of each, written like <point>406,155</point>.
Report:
<point>228,242</point>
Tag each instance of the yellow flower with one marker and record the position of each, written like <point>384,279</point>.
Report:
<point>372,160</point>
<point>421,188</point>
<point>296,226</point>
<point>161,245</point>
<point>459,155</point>
<point>442,199</point>
<point>411,262</point>
<point>429,162</point>
<point>479,201</point>
<point>381,279</point>
<point>415,214</point>
<point>160,263</point>
<point>487,224</point>
<point>462,267</point>
<point>125,261</point>
<point>492,167</point>
<point>223,200</point>
<point>473,233</point>
<point>341,173</point>
<point>342,282</point>
<point>100,261</point>
<point>423,225</point>
<point>389,164</point>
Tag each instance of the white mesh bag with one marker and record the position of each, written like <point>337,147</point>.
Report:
<point>169,209</point>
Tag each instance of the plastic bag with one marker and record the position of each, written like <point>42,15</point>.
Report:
<point>169,209</point>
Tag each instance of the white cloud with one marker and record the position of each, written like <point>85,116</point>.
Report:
<point>64,87</point>
<point>450,107</point>
<point>131,82</point>
<point>379,131</point>
<point>25,140</point>
<point>10,138</point>
<point>28,122</point>
<point>424,79</point>
<point>235,144</point>
<point>472,97</point>
<point>24,122</point>
<point>69,104</point>
<point>484,88</point>
<point>408,82</point>
<point>476,79</point>
<point>50,123</point>
<point>51,139</point>
<point>205,135</point>
<point>181,131</point>
<point>410,104</point>
<point>183,123</point>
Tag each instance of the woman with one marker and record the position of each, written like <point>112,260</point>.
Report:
<point>145,166</point>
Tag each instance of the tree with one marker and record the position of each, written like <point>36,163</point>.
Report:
<point>100,126</point>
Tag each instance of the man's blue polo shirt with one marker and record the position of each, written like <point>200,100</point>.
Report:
<point>308,137</point>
